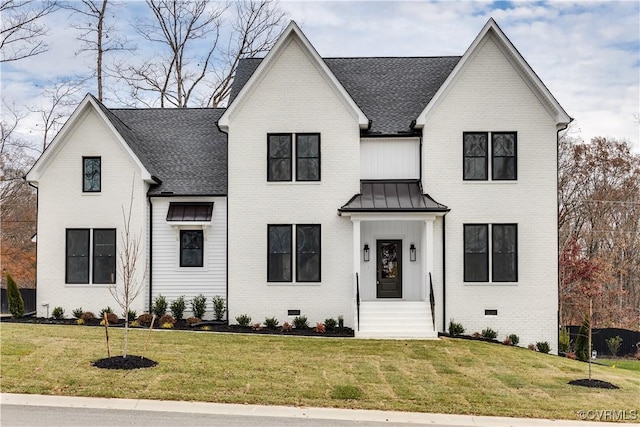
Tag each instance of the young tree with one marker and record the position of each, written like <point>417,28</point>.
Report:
<point>22,32</point>
<point>14,298</point>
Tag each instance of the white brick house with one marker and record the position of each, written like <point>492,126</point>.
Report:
<point>398,193</point>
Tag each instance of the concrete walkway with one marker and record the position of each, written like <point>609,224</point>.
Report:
<point>328,414</point>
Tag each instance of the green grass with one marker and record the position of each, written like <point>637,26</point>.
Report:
<point>443,376</point>
<point>630,364</point>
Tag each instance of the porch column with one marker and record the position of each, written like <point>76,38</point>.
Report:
<point>356,268</point>
<point>427,253</point>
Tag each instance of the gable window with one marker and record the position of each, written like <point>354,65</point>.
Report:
<point>77,256</point>
<point>91,174</point>
<point>279,258</point>
<point>476,156</point>
<point>504,252</point>
<point>308,157</point>
<point>308,253</point>
<point>104,255</point>
<point>191,248</point>
<point>279,152</point>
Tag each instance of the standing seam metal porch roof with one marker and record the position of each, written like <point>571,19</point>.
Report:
<point>392,196</point>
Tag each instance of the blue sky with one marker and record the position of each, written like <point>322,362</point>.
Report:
<point>587,52</point>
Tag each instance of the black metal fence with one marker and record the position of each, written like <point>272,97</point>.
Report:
<point>600,336</point>
<point>28,295</point>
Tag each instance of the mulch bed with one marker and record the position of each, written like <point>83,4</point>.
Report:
<point>126,363</point>
<point>585,382</point>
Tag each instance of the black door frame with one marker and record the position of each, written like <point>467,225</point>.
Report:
<point>380,283</point>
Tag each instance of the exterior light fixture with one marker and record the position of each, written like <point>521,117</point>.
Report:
<point>366,252</point>
<point>412,252</point>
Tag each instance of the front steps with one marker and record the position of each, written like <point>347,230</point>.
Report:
<point>396,319</point>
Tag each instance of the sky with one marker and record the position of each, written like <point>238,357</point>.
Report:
<point>587,53</point>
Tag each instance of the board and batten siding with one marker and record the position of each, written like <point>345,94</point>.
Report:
<point>390,158</point>
<point>169,279</point>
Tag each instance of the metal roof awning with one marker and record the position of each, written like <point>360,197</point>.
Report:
<point>392,196</point>
<point>190,212</point>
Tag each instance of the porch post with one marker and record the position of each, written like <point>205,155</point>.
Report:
<point>356,269</point>
<point>428,252</point>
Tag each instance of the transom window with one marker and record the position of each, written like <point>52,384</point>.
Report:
<point>504,252</point>
<point>191,248</point>
<point>280,253</point>
<point>82,256</point>
<point>281,152</point>
<point>91,174</point>
<point>476,156</point>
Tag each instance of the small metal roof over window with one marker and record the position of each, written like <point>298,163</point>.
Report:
<point>392,196</point>
<point>190,211</point>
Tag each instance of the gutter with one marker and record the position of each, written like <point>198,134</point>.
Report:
<point>150,253</point>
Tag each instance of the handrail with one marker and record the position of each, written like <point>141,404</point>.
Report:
<point>432,301</point>
<point>358,299</point>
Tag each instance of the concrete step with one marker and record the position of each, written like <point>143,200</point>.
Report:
<point>396,319</point>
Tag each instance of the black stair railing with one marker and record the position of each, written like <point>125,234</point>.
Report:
<point>432,302</point>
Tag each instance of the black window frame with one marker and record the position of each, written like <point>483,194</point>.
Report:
<point>94,257</point>
<point>495,156</point>
<point>465,156</point>
<point>270,159</point>
<point>84,187</point>
<point>299,157</point>
<point>68,256</point>
<point>318,253</point>
<point>467,263</point>
<point>282,277</point>
<point>514,254</point>
<point>201,248</point>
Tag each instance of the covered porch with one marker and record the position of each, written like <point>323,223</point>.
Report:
<point>393,259</point>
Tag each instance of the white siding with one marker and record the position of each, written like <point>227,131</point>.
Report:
<point>292,97</point>
<point>171,280</point>
<point>62,205</point>
<point>490,95</point>
<point>390,158</point>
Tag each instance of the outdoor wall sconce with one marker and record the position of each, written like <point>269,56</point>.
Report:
<point>366,252</point>
<point>412,252</point>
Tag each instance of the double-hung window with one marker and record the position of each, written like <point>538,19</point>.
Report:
<point>104,255</point>
<point>501,251</point>
<point>286,160</point>
<point>88,252</point>
<point>280,253</point>
<point>476,153</point>
<point>191,248</point>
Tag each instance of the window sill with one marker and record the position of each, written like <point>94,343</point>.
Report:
<point>88,285</point>
<point>91,193</point>
<point>490,283</point>
<point>294,182</point>
<point>492,182</point>
<point>294,284</point>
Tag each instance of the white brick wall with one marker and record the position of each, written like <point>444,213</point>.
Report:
<point>62,205</point>
<point>491,96</point>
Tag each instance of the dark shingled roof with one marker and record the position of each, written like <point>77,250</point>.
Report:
<point>391,92</point>
<point>182,147</point>
<point>392,196</point>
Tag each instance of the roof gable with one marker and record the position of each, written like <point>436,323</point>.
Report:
<point>491,29</point>
<point>292,32</point>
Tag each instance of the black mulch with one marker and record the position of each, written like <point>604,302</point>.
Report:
<point>129,362</point>
<point>585,382</point>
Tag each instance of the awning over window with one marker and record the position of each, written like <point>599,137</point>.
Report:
<point>392,196</point>
<point>190,211</point>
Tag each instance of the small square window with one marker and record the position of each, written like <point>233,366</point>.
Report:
<point>91,174</point>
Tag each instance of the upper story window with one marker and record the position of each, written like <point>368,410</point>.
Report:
<point>281,153</point>
<point>91,174</point>
<point>476,153</point>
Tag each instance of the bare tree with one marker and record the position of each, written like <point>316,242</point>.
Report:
<point>22,32</point>
<point>96,34</point>
<point>200,53</point>
<point>130,280</point>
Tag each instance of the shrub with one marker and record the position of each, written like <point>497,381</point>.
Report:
<point>105,310</point>
<point>243,320</point>
<point>256,327</point>
<point>130,316</point>
<point>583,352</point>
<point>80,322</point>
<point>167,325</point>
<point>564,341</point>
<point>514,339</point>
<point>219,307</point>
<point>159,306</point>
<point>177,307</point>
<point>330,324</point>
<point>543,347</point>
<point>87,315</point>
<point>286,327</point>
<point>301,322</point>
<point>58,313</point>
<point>145,319</point>
<point>340,322</point>
<point>489,334</point>
<point>112,318</point>
<point>193,320</point>
<point>271,322</point>
<point>455,329</point>
<point>532,347</point>
<point>614,344</point>
<point>476,334</point>
<point>571,355</point>
<point>77,313</point>
<point>14,298</point>
<point>167,318</point>
<point>320,328</point>
<point>199,306</point>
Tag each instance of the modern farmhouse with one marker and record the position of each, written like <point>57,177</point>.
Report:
<point>397,192</point>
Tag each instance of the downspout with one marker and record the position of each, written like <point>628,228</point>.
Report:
<point>558,232</point>
<point>227,215</point>
<point>37,217</point>
<point>150,252</point>
<point>444,273</point>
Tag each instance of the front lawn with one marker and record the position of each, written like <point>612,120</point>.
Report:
<point>630,364</point>
<point>444,376</point>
